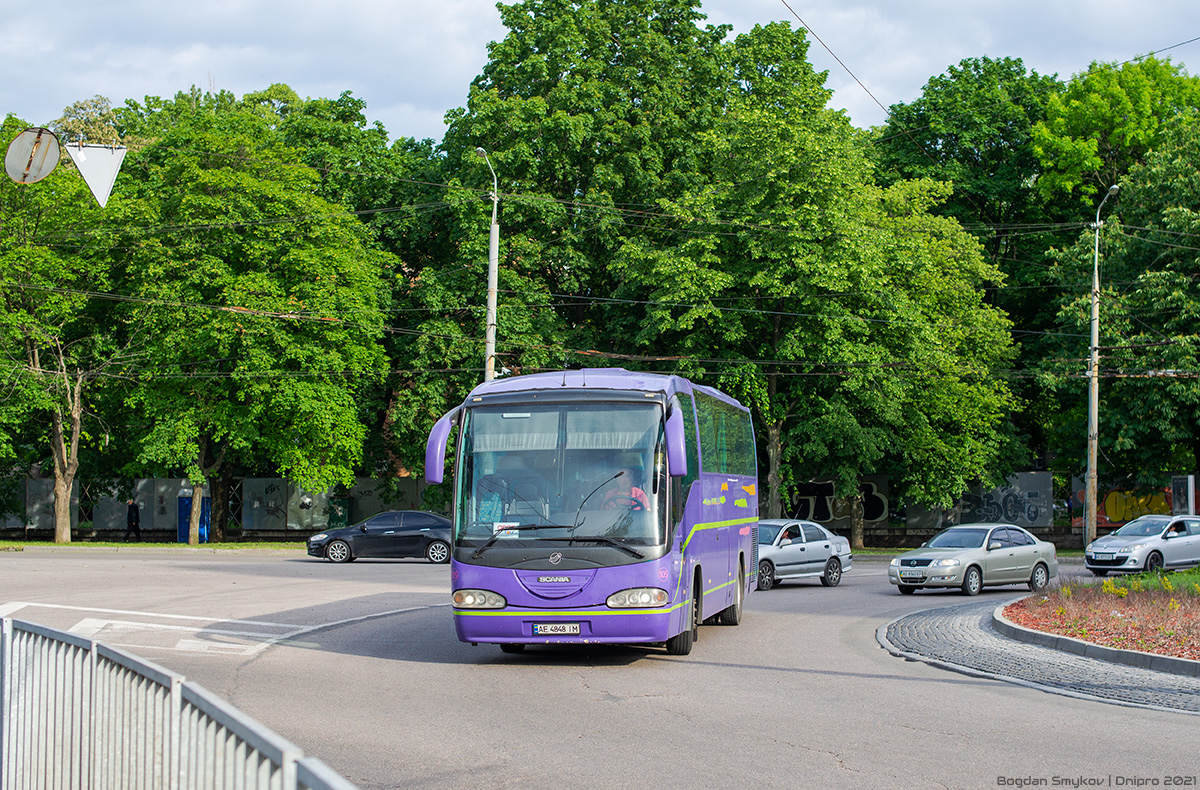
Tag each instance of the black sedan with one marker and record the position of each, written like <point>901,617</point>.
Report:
<point>394,533</point>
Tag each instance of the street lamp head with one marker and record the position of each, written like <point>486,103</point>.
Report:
<point>480,152</point>
<point>1112,190</point>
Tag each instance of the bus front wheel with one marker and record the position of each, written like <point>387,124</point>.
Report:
<point>681,643</point>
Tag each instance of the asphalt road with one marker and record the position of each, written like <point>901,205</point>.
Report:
<point>358,664</point>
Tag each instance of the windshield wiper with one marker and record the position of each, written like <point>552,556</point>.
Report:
<point>577,523</point>
<point>479,551</point>
<point>608,542</point>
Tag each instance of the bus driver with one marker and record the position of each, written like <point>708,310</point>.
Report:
<point>624,493</point>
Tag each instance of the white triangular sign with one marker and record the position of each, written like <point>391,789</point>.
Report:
<point>98,164</point>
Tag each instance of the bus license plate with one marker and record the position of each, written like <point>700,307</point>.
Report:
<point>555,629</point>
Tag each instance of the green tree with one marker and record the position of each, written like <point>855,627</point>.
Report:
<point>972,127</point>
<point>849,317</point>
<point>1150,308</point>
<point>265,297</point>
<point>89,121</point>
<point>588,111</point>
<point>1106,121</point>
<point>398,193</point>
<point>59,340</point>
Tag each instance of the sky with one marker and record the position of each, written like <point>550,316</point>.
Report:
<point>411,61</point>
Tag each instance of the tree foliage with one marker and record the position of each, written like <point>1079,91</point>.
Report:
<point>59,340</point>
<point>1106,122</point>
<point>265,298</point>
<point>1150,306</point>
<point>285,285</point>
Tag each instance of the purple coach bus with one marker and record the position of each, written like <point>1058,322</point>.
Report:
<point>598,506</point>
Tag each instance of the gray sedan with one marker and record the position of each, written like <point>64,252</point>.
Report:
<point>1147,543</point>
<point>790,549</point>
<point>972,556</point>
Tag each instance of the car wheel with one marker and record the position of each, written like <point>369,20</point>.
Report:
<point>972,581</point>
<point>906,589</point>
<point>1039,578</point>
<point>1154,562</point>
<point>438,551</point>
<point>681,643</point>
<point>766,575</point>
<point>512,647</point>
<point>338,551</point>
<point>833,572</point>
<point>1096,572</point>
<point>732,614</point>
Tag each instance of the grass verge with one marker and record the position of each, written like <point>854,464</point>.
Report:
<point>1151,612</point>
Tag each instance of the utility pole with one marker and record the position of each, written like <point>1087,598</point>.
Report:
<point>489,336</point>
<point>1093,437</point>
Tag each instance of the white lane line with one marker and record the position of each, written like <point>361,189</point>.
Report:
<point>128,625</point>
<point>13,606</point>
<point>89,627</point>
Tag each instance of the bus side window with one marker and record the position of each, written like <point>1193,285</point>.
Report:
<point>682,486</point>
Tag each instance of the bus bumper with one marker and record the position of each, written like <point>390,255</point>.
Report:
<point>606,626</point>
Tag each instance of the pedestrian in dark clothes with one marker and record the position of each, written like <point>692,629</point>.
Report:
<point>133,522</point>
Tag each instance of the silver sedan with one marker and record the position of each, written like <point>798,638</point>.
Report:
<point>1147,543</point>
<point>972,556</point>
<point>790,549</point>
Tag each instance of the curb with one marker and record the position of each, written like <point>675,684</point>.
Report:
<point>1134,658</point>
<point>886,644</point>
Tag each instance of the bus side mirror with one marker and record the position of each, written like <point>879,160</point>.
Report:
<point>676,454</point>
<point>435,447</point>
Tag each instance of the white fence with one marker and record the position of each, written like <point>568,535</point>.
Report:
<point>79,714</point>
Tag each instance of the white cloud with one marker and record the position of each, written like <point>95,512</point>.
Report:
<point>413,60</point>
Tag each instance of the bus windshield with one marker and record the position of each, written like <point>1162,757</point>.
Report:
<point>552,474</point>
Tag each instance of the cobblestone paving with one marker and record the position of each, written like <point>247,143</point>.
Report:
<point>962,638</point>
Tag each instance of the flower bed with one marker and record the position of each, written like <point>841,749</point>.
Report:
<point>1154,613</point>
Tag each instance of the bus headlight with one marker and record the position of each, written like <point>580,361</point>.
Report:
<point>478,599</point>
<point>637,598</point>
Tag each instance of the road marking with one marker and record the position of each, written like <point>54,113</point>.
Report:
<point>247,642</point>
<point>93,625</point>
<point>13,606</point>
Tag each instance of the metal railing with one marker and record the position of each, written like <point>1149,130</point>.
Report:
<point>75,713</point>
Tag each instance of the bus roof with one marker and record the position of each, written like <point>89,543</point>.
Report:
<point>596,379</point>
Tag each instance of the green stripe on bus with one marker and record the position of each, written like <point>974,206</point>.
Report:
<point>716,524</point>
<point>720,587</point>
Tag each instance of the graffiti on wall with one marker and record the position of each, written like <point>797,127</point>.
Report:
<point>1120,507</point>
<point>1025,500</point>
<point>1123,506</point>
<point>1003,504</point>
<point>816,501</point>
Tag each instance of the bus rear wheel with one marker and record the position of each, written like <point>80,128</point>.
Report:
<point>732,615</point>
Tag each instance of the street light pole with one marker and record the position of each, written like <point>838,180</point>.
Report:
<point>489,336</point>
<point>1089,505</point>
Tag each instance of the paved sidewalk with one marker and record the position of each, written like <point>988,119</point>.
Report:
<point>962,638</point>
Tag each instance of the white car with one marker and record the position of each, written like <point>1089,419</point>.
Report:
<point>1148,543</point>
<point>793,549</point>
